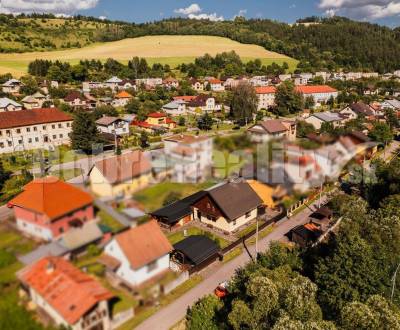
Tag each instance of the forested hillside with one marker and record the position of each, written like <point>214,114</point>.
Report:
<point>331,44</point>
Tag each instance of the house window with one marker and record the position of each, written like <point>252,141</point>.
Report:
<point>53,126</point>
<point>36,139</point>
<point>44,127</point>
<point>234,223</point>
<point>247,215</point>
<point>35,129</point>
<point>28,129</point>
<point>59,126</point>
<point>61,136</point>
<point>152,266</point>
<point>54,136</point>
<point>68,124</point>
<point>1,145</point>
<point>61,230</point>
<point>18,130</point>
<point>29,140</point>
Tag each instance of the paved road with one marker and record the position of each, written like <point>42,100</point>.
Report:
<point>168,316</point>
<point>388,154</point>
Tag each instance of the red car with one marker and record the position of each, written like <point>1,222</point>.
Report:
<point>221,290</point>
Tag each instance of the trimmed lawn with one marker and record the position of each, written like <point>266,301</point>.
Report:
<point>237,251</point>
<point>179,236</point>
<point>226,163</point>
<point>152,198</point>
<point>109,221</point>
<point>67,174</point>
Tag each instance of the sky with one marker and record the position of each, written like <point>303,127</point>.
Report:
<point>385,12</point>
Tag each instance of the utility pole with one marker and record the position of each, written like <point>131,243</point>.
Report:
<point>320,195</point>
<point>256,239</point>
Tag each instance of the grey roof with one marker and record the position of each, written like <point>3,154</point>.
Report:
<point>235,199</point>
<point>114,80</point>
<point>79,237</point>
<point>133,213</point>
<point>12,82</point>
<point>173,105</point>
<point>328,116</point>
<point>54,249</point>
<point>394,103</point>
<point>5,101</point>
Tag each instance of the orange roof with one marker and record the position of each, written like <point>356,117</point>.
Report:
<point>186,98</point>
<point>144,244</point>
<point>315,89</point>
<point>266,90</point>
<point>311,226</point>
<point>123,95</point>
<point>52,197</point>
<point>215,81</point>
<point>68,290</point>
<point>156,115</point>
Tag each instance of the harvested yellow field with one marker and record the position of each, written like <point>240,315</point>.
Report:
<point>170,48</point>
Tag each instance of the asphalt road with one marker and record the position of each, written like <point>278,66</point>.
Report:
<point>168,316</point>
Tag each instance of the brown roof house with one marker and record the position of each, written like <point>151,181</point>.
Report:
<point>139,254</point>
<point>120,175</point>
<point>265,131</point>
<point>228,206</point>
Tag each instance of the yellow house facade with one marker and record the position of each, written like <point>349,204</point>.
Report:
<point>120,175</point>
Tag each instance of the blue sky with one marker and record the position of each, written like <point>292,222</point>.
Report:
<point>379,11</point>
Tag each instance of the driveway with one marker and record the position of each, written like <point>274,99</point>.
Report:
<point>168,316</point>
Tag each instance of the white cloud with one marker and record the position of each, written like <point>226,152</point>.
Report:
<point>212,17</point>
<point>46,6</point>
<point>103,18</point>
<point>194,8</point>
<point>195,12</point>
<point>365,9</point>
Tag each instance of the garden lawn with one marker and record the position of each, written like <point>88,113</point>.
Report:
<point>179,236</point>
<point>152,198</point>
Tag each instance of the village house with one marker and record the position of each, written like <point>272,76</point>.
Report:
<point>49,207</point>
<point>113,125</point>
<point>190,156</point>
<point>88,86</point>
<point>184,98</point>
<point>76,100</point>
<point>318,118</point>
<point>34,129</point>
<point>121,175</point>
<point>126,84</point>
<point>302,78</point>
<point>266,97</point>
<point>113,83</point>
<point>197,85</point>
<point>391,104</point>
<point>139,254</point>
<point>216,85</point>
<point>150,82</point>
<point>171,82</point>
<point>228,206</point>
<point>204,103</point>
<point>265,131</point>
<point>122,99</point>
<point>158,122</point>
<point>354,110</point>
<point>12,86</point>
<point>320,94</point>
<point>175,108</point>
<point>70,298</point>
<point>7,104</point>
<point>34,101</point>
<point>179,213</point>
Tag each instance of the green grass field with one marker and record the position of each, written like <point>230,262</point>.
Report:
<point>172,50</point>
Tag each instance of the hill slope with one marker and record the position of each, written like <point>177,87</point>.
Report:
<point>333,43</point>
<point>171,50</point>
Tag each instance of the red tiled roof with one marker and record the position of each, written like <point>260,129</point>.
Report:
<point>52,197</point>
<point>186,98</point>
<point>68,290</point>
<point>215,81</point>
<point>315,89</point>
<point>156,115</point>
<point>12,119</point>
<point>121,168</point>
<point>144,244</point>
<point>170,121</point>
<point>266,90</point>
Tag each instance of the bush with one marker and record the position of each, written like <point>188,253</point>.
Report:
<point>6,258</point>
<point>93,250</point>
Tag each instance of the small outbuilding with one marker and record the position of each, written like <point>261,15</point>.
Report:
<point>195,250</point>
